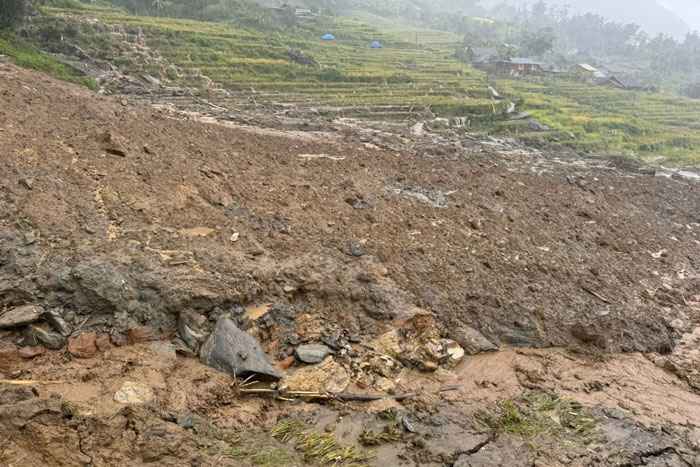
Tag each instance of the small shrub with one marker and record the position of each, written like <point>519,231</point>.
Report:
<point>332,75</point>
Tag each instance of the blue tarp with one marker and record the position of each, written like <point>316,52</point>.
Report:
<point>377,45</point>
<point>328,37</point>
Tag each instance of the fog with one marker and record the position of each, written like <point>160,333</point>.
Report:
<point>675,17</point>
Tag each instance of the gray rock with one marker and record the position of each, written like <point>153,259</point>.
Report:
<point>164,349</point>
<point>59,324</point>
<point>50,340</point>
<point>20,316</point>
<point>27,183</point>
<point>534,125</point>
<point>407,426</point>
<point>191,327</point>
<point>236,352</point>
<point>312,353</point>
<point>471,340</point>
<point>186,421</point>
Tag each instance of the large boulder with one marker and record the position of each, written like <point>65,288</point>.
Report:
<point>236,352</point>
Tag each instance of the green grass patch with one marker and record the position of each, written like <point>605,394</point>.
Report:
<point>27,55</point>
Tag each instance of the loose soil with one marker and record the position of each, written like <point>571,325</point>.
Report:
<point>123,215</point>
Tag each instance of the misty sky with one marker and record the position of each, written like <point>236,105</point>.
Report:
<point>676,17</point>
<point>689,10</point>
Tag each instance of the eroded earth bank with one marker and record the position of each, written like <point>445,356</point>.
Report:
<point>504,306</point>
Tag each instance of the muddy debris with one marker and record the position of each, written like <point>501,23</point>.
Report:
<point>472,262</point>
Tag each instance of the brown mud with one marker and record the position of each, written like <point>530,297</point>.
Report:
<point>125,217</point>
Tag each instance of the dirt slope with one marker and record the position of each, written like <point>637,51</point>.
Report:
<point>124,216</point>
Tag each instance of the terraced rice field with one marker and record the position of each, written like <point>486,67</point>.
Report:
<point>405,78</point>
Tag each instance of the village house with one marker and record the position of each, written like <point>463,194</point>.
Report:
<point>611,70</point>
<point>519,66</point>
<point>481,55</point>
<point>624,82</point>
<point>590,74</point>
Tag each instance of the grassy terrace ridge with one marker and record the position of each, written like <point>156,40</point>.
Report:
<point>27,55</point>
<point>421,76</point>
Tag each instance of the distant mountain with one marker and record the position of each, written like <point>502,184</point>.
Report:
<point>687,9</point>
<point>651,15</point>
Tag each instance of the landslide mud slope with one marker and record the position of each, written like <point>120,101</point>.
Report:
<point>125,218</point>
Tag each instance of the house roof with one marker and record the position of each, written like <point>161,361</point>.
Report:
<point>623,81</point>
<point>586,67</point>
<point>483,54</point>
<point>524,61</point>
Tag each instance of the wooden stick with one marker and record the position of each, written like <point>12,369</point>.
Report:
<point>595,294</point>
<point>27,382</point>
<point>345,397</point>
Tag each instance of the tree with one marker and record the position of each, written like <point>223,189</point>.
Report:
<point>538,43</point>
<point>158,4</point>
<point>11,12</point>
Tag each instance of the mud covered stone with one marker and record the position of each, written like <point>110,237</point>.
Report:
<point>471,340</point>
<point>312,353</point>
<point>133,393</point>
<point>84,346</point>
<point>50,340</point>
<point>55,319</point>
<point>20,316</point>
<point>32,351</point>
<point>236,352</point>
<point>327,376</point>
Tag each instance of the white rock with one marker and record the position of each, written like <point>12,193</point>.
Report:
<point>133,393</point>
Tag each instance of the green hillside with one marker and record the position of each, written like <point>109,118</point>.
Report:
<point>412,77</point>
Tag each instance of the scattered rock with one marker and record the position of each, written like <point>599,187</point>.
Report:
<point>390,343</point>
<point>312,353</point>
<point>534,125</point>
<point>133,393</point>
<point>139,335</point>
<point>20,316</point>
<point>455,352</point>
<point>164,349</point>
<point>191,327</point>
<point>302,59</point>
<point>408,426</point>
<point>114,144</point>
<point>84,346</point>
<point>384,384</point>
<point>471,340</point>
<point>236,352</point>
<point>32,351</point>
<point>444,375</point>
<point>59,324</point>
<point>103,343</point>
<point>50,340</point>
<point>186,421</point>
<point>27,183</point>
<point>327,376</point>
